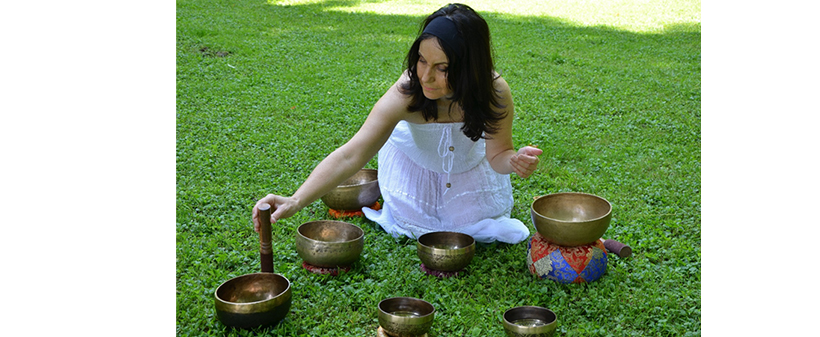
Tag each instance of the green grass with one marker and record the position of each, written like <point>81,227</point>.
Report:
<point>609,90</point>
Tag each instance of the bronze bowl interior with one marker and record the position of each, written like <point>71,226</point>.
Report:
<point>529,321</point>
<point>253,300</point>
<point>446,251</point>
<point>571,218</point>
<point>406,316</point>
<point>360,190</point>
<point>329,243</point>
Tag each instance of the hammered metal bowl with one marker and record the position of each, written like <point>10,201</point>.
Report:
<point>406,316</point>
<point>360,190</point>
<point>445,251</point>
<point>529,321</point>
<point>329,243</point>
<point>571,218</point>
<point>253,300</point>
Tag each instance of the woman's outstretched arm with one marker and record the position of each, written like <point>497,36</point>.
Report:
<point>343,162</point>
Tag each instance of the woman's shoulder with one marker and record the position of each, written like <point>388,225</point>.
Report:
<point>396,94</point>
<point>500,83</point>
<point>394,102</point>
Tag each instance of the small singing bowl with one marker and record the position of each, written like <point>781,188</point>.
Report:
<point>406,316</point>
<point>571,218</point>
<point>529,321</point>
<point>445,251</point>
<point>329,243</point>
<point>362,189</point>
<point>253,300</point>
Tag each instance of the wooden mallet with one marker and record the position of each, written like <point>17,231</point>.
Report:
<point>265,251</point>
<point>618,248</point>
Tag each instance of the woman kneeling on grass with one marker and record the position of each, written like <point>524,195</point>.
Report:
<point>443,133</point>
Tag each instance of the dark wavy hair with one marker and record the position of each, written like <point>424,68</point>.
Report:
<point>470,77</point>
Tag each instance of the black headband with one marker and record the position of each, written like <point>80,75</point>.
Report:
<point>445,29</point>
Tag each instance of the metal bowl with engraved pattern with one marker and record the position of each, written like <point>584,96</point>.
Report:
<point>446,251</point>
<point>253,300</point>
<point>571,218</point>
<point>530,321</point>
<point>329,243</point>
<point>360,190</point>
<point>406,316</point>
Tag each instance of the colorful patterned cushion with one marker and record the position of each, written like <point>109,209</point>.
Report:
<point>577,264</point>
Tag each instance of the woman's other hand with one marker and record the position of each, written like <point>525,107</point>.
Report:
<point>525,161</point>
<point>283,207</point>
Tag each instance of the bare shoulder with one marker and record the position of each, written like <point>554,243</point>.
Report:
<point>501,84</point>
<point>502,89</point>
<point>395,91</point>
<point>394,103</point>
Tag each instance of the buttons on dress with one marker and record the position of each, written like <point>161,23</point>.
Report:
<point>448,185</point>
<point>452,148</point>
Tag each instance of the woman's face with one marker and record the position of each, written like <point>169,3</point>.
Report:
<point>432,69</point>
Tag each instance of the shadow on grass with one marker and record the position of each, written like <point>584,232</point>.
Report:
<point>304,63</point>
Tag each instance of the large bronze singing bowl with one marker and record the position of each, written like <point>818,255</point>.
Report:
<point>445,251</point>
<point>529,321</point>
<point>406,316</point>
<point>571,219</point>
<point>329,243</point>
<point>362,189</point>
<point>253,300</point>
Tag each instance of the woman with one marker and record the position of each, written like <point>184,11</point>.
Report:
<point>443,133</point>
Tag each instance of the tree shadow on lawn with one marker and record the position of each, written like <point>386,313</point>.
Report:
<point>316,67</point>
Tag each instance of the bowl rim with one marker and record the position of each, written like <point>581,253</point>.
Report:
<point>244,304</point>
<point>444,250</point>
<point>608,212</point>
<point>412,299</point>
<point>340,186</point>
<point>358,238</point>
<point>504,316</point>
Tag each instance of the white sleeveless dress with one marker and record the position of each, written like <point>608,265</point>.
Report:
<point>415,167</point>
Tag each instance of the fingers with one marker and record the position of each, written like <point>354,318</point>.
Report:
<point>530,151</point>
<point>523,170</point>
<point>281,207</point>
<point>268,199</point>
<point>518,168</point>
<point>276,214</point>
<point>276,203</point>
<point>525,161</point>
<point>255,218</point>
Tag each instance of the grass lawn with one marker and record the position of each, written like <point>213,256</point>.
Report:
<point>610,90</point>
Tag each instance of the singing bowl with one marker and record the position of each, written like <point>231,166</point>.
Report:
<point>253,300</point>
<point>329,243</point>
<point>529,321</point>
<point>445,251</point>
<point>571,218</point>
<point>362,189</point>
<point>406,316</point>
